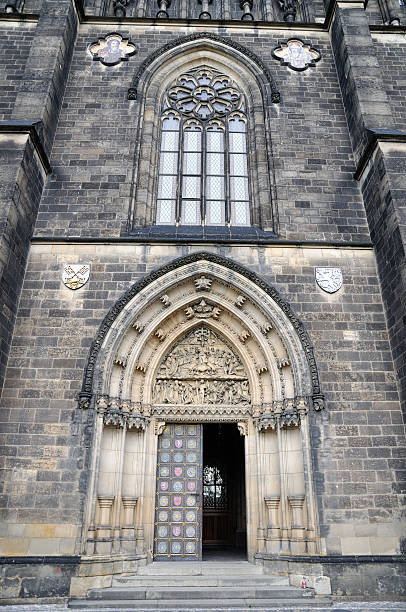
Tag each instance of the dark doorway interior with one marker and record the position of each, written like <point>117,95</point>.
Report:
<point>224,510</point>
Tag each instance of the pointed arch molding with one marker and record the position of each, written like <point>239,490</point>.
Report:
<point>210,290</point>
<point>262,73</point>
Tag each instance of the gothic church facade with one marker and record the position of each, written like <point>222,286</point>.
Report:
<point>203,289</point>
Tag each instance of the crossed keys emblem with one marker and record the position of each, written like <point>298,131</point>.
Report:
<point>74,276</point>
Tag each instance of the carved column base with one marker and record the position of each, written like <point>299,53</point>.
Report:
<point>140,544</point>
<point>273,540</point>
<point>103,545</point>
<point>90,542</point>
<point>261,539</point>
<point>128,529</point>
<point>297,546</point>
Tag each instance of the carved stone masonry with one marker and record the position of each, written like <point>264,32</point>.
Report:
<point>201,369</point>
<point>203,283</point>
<point>243,428</point>
<point>165,301</point>
<point>118,413</point>
<point>159,428</point>
<point>287,413</point>
<point>203,310</point>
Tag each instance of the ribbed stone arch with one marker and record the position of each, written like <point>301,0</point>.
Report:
<point>171,49</point>
<point>159,302</point>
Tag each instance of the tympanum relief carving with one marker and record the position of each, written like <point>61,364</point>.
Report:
<point>201,369</point>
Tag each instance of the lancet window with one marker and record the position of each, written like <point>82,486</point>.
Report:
<point>203,167</point>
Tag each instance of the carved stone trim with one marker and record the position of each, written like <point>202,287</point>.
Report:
<point>87,385</point>
<point>287,413</point>
<point>178,42</point>
<point>118,413</point>
<point>243,428</point>
<point>159,428</point>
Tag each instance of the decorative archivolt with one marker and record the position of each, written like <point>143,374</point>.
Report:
<point>202,338</point>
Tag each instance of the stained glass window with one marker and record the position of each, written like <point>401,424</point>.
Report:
<point>203,166</point>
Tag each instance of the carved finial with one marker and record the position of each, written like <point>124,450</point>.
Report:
<point>120,360</point>
<point>165,301</point>
<point>160,334</point>
<point>203,283</point>
<point>240,301</point>
<point>139,327</point>
<point>283,363</point>
<point>244,336</point>
<point>266,328</point>
<point>262,369</point>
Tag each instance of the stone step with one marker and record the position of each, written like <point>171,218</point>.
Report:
<point>236,605</point>
<point>199,568</point>
<point>169,593</point>
<point>201,580</point>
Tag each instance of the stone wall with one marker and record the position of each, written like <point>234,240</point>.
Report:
<point>15,44</point>
<point>391,52</point>
<point>357,442</point>
<point>95,152</point>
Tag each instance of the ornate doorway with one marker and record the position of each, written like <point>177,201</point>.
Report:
<point>202,343</point>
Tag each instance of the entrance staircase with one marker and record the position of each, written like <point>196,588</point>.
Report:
<point>207,585</point>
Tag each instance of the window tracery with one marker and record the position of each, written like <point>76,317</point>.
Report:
<point>203,167</point>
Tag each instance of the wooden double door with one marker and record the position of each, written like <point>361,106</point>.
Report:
<point>200,495</point>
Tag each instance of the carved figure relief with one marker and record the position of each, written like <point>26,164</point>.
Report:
<point>296,54</point>
<point>112,49</point>
<point>202,369</point>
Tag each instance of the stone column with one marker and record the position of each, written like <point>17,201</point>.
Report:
<point>205,9</point>
<point>268,10</point>
<point>140,540</point>
<point>103,535</point>
<point>298,530</point>
<point>246,6</point>
<point>163,5</point>
<point>273,539</point>
<point>128,530</point>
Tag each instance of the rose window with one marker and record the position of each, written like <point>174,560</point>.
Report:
<point>203,169</point>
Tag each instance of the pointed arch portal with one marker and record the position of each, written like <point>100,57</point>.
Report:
<point>199,341</point>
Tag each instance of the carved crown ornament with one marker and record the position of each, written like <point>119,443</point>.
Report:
<point>296,54</point>
<point>112,49</point>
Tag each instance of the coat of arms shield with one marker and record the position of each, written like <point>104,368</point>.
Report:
<point>75,276</point>
<point>329,279</point>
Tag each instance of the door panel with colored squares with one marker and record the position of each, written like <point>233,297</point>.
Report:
<point>178,511</point>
